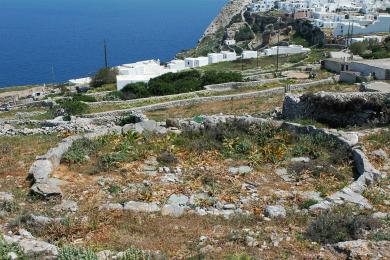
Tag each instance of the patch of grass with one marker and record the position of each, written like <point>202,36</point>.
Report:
<point>380,139</point>
<point>5,249</point>
<point>307,204</point>
<point>80,150</point>
<point>71,253</point>
<point>18,152</point>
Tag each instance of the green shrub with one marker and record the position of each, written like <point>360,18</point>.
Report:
<point>71,253</point>
<point>244,34</point>
<point>134,253</point>
<point>340,224</point>
<point>114,96</point>
<point>73,107</point>
<point>214,77</point>
<point>9,206</point>
<point>79,150</point>
<point>104,76</point>
<point>175,83</point>
<point>130,119</point>
<point>307,204</point>
<point>135,90</point>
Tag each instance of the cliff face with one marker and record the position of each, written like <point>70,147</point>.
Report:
<point>223,19</point>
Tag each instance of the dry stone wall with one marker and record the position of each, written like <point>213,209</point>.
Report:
<point>339,109</point>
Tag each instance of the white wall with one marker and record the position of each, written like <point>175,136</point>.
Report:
<point>382,24</point>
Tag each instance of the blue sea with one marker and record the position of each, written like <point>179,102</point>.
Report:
<point>43,41</point>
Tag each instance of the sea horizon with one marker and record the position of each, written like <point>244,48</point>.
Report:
<point>57,40</point>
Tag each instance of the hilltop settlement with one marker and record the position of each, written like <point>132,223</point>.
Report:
<point>268,140</point>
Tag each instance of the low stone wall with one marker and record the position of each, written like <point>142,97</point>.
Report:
<point>339,109</point>
<point>41,170</point>
<point>200,100</point>
<point>366,173</point>
<point>238,85</point>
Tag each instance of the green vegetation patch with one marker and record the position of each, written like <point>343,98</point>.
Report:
<point>341,224</point>
<point>175,83</point>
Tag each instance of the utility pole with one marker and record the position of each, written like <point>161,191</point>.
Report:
<point>105,54</point>
<point>277,47</point>
<point>348,33</point>
<point>242,62</point>
<point>257,61</point>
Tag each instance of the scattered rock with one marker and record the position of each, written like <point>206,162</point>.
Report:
<point>229,206</point>
<point>67,205</point>
<point>380,154</point>
<point>276,211</point>
<point>40,171</point>
<point>111,206</point>
<point>282,173</point>
<point>31,246</point>
<point>381,215</point>
<point>167,158</point>
<point>180,200</point>
<point>141,207</point>
<point>46,190</point>
<point>240,170</point>
<point>6,197</point>
<point>363,249</point>
<point>172,211</point>
<point>251,242</point>
<point>300,159</point>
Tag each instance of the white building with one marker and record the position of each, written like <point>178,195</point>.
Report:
<point>292,5</point>
<point>249,54</point>
<point>291,49</point>
<point>196,62</point>
<point>141,71</point>
<point>230,42</point>
<point>177,65</point>
<point>381,24</point>
<point>229,56</point>
<point>215,57</point>
<point>262,6</point>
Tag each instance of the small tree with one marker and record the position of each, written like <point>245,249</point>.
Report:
<point>104,76</point>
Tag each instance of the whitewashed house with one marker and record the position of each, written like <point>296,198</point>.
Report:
<point>291,6</point>
<point>196,62</point>
<point>215,57</point>
<point>249,55</point>
<point>291,49</point>
<point>381,24</point>
<point>230,42</point>
<point>262,6</point>
<point>141,71</point>
<point>229,56</point>
<point>176,65</point>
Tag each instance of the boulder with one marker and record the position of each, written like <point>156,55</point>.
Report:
<point>40,171</point>
<point>172,211</point>
<point>178,200</point>
<point>32,247</point>
<point>275,211</point>
<point>46,190</point>
<point>364,249</point>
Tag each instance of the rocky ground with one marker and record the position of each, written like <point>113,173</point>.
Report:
<point>196,183</point>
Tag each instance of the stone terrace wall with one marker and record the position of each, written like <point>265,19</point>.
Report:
<point>200,100</point>
<point>339,109</point>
